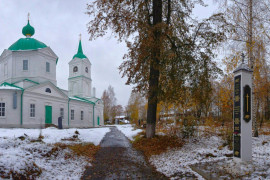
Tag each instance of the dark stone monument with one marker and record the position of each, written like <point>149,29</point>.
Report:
<point>60,123</point>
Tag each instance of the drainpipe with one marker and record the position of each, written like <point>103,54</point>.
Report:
<point>93,115</point>
<point>68,111</point>
<point>22,106</point>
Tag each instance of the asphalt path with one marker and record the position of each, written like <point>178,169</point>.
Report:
<point>118,160</point>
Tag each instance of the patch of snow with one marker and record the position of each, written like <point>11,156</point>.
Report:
<point>178,161</point>
<point>53,135</point>
<point>118,117</point>
<point>15,154</point>
<point>128,130</point>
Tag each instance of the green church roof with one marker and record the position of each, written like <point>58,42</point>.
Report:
<point>79,54</point>
<point>27,44</point>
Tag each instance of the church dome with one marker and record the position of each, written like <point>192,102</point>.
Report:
<point>27,43</point>
<point>28,30</point>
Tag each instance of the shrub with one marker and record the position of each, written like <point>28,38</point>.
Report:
<point>188,127</point>
<point>227,137</point>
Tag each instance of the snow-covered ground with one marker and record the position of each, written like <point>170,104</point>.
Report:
<point>17,154</point>
<point>128,130</point>
<point>54,135</point>
<point>176,163</point>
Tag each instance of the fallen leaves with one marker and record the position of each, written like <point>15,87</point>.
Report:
<point>156,145</point>
<point>88,150</point>
<point>30,171</point>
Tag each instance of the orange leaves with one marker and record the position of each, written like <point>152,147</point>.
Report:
<point>87,150</point>
<point>157,145</point>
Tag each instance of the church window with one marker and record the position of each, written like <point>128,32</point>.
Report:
<point>25,65</point>
<point>2,109</point>
<point>72,114</point>
<point>81,115</point>
<point>86,69</point>
<point>32,110</point>
<point>62,113</point>
<point>75,69</point>
<point>47,67</point>
<point>48,90</point>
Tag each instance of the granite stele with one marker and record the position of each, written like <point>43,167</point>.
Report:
<point>29,96</point>
<point>242,112</point>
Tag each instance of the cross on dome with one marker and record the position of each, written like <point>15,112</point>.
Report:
<point>28,30</point>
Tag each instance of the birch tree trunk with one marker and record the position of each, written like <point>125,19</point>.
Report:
<point>251,63</point>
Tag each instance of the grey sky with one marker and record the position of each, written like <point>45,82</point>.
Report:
<point>58,24</point>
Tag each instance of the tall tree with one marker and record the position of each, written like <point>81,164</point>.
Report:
<point>136,107</point>
<point>109,101</point>
<point>106,101</point>
<point>165,44</point>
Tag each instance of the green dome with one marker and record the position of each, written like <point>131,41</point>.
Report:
<point>27,44</point>
<point>79,54</point>
<point>28,30</point>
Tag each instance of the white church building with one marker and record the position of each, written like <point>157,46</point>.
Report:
<point>29,96</point>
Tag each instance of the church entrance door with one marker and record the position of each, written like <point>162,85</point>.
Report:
<point>98,120</point>
<point>48,114</point>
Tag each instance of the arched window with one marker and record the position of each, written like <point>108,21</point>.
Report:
<point>86,69</point>
<point>75,69</point>
<point>48,90</point>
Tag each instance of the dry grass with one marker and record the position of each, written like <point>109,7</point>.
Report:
<point>156,145</point>
<point>30,171</point>
<point>265,130</point>
<point>86,149</point>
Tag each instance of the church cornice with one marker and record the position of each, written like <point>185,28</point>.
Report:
<point>79,77</point>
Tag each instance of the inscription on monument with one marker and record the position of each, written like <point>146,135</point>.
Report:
<point>237,115</point>
<point>237,145</point>
<point>247,103</point>
<point>237,104</point>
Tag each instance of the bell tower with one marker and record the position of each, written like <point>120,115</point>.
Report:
<point>79,81</point>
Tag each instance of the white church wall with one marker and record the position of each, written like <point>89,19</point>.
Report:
<point>41,101</point>
<point>12,116</point>
<point>86,63</point>
<point>41,89</point>
<point>99,113</point>
<point>36,67</point>
<point>52,74</point>
<point>79,86</point>
<point>80,80</point>
<point>6,68</point>
<point>87,109</point>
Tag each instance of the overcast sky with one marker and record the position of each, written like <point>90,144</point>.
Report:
<point>58,24</point>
